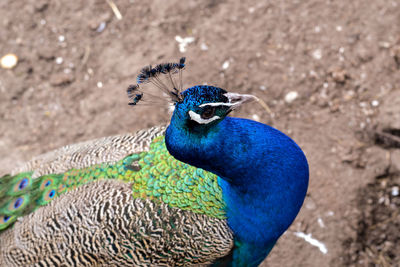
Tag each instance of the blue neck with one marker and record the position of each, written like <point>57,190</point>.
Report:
<point>263,175</point>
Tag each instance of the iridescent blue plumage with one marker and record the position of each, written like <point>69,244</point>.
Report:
<point>262,172</point>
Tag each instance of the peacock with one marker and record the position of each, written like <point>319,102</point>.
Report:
<point>207,189</point>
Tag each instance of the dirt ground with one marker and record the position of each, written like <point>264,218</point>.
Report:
<point>329,70</point>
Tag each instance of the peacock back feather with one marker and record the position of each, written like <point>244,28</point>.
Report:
<point>146,203</point>
<point>154,175</point>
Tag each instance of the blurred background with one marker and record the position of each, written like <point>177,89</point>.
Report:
<point>329,71</point>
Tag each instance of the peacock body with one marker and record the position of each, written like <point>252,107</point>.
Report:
<point>168,196</point>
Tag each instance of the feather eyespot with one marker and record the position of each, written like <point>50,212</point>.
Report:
<point>50,195</point>
<point>17,204</point>
<point>47,196</point>
<point>6,218</point>
<point>22,183</point>
<point>46,183</point>
<point>208,112</point>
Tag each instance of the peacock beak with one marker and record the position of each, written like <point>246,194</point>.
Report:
<point>236,100</point>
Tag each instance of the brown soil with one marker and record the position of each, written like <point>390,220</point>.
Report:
<point>341,57</point>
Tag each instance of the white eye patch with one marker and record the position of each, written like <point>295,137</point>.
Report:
<point>216,104</point>
<point>197,118</point>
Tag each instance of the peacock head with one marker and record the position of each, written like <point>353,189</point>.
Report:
<point>205,106</point>
<point>197,108</point>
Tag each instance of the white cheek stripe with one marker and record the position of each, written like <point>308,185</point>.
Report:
<point>196,117</point>
<point>216,104</point>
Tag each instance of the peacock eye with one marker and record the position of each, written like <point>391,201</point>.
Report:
<point>208,112</point>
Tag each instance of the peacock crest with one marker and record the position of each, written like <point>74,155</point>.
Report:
<point>163,76</point>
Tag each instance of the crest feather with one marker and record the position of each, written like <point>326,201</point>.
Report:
<point>162,76</point>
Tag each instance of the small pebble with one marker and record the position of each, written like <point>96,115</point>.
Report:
<point>313,74</point>
<point>375,103</point>
<point>59,60</point>
<point>225,65</point>
<point>263,87</point>
<point>330,213</point>
<point>310,204</point>
<point>339,28</point>
<point>384,44</point>
<point>291,96</point>
<point>99,84</point>
<point>317,54</point>
<point>9,61</point>
<point>321,222</point>
<point>183,42</point>
<point>256,117</point>
<point>363,75</point>
<point>395,191</point>
<point>61,38</point>
<point>362,104</point>
<point>339,75</point>
<point>348,95</point>
<point>98,22</point>
<point>203,47</point>
<point>101,27</point>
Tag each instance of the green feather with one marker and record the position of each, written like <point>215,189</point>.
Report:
<point>15,185</point>
<point>163,178</point>
<point>154,175</point>
<point>21,195</point>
